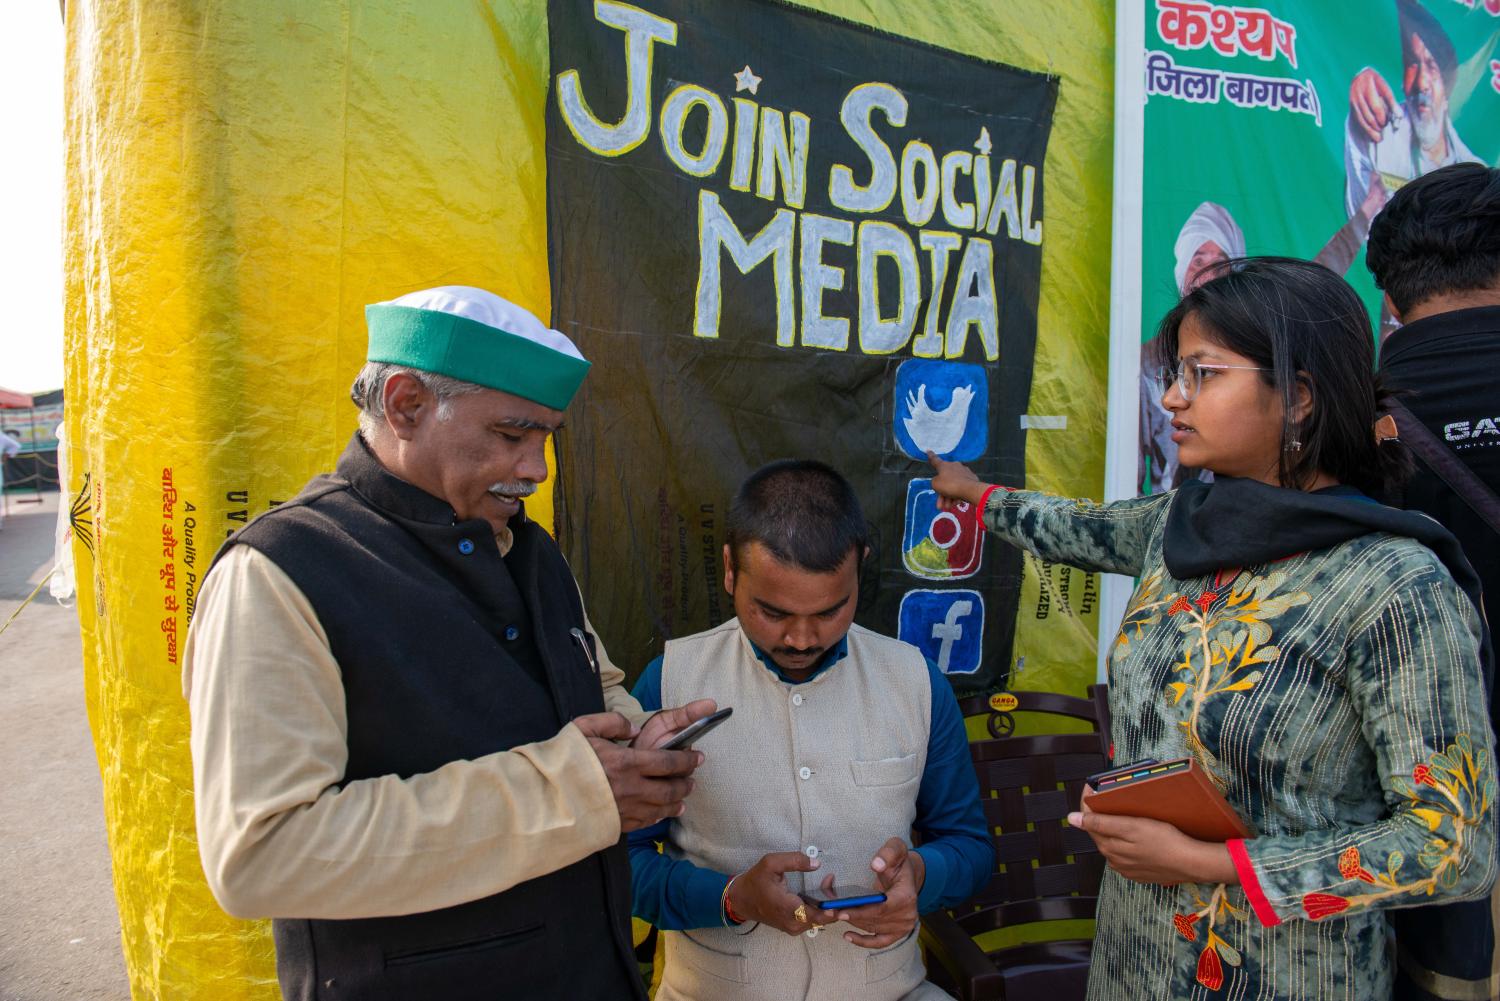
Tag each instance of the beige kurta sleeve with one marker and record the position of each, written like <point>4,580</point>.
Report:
<point>617,697</point>
<point>279,838</point>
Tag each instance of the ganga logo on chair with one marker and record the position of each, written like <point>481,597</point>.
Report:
<point>942,407</point>
<point>939,545</point>
<point>947,626</point>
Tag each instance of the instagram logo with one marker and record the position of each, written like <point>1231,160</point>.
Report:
<point>940,545</point>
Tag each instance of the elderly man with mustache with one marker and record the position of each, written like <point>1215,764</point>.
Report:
<point>409,749</point>
<point>1394,142</point>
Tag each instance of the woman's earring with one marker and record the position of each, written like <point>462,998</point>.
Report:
<point>1294,445</point>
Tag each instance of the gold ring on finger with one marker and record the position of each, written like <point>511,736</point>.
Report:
<point>800,914</point>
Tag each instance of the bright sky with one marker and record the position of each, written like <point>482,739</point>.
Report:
<point>31,193</point>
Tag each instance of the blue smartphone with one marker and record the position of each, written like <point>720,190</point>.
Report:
<point>847,896</point>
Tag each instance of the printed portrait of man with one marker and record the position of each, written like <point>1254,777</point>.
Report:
<point>1395,141</point>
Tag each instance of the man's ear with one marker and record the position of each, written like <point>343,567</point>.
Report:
<point>1390,307</point>
<point>407,403</point>
<point>728,570</point>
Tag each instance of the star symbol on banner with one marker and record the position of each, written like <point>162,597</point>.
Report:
<point>746,79</point>
<point>983,144</point>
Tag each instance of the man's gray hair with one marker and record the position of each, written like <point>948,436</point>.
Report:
<point>368,392</point>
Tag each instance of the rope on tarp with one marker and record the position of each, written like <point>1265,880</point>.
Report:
<point>35,481</point>
<point>40,467</point>
<point>34,592</point>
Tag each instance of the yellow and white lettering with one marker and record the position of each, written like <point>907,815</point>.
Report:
<point>1028,192</point>
<point>746,115</point>
<point>918,208</point>
<point>715,231</point>
<point>778,156</point>
<point>642,30</point>
<point>1004,203</point>
<point>859,104</point>
<point>960,215</point>
<point>982,190</point>
<point>939,245</point>
<point>819,331</point>
<point>975,270</point>
<point>674,112</point>
<point>878,335</point>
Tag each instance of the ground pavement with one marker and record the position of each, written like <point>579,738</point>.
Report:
<point>59,932</point>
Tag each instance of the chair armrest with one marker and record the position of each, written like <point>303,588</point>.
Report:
<point>965,962</point>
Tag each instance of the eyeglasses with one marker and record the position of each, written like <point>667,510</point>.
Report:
<point>1188,374</point>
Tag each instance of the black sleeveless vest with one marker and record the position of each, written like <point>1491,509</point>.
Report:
<point>448,652</point>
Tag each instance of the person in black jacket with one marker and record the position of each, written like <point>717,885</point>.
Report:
<point>1435,251</point>
<point>410,751</point>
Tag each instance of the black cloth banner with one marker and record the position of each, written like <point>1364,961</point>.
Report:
<point>781,234</point>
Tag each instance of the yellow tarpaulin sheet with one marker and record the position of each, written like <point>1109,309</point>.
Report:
<point>242,180</point>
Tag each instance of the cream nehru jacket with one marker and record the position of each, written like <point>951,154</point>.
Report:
<point>830,768</point>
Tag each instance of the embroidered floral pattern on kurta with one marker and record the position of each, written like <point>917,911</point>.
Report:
<point>1336,698</point>
<point>1451,794</point>
<point>1216,949</point>
<point>1225,640</point>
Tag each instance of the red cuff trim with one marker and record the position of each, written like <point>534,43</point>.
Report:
<point>1250,883</point>
<point>984,499</point>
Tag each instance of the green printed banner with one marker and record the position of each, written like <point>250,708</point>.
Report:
<point>1283,129</point>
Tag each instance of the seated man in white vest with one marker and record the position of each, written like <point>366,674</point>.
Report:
<point>842,743</point>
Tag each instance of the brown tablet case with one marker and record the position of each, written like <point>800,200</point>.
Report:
<point>1183,797</point>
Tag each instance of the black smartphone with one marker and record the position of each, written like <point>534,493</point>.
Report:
<point>846,896</point>
<point>684,738</point>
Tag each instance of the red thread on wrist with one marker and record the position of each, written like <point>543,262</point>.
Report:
<point>729,908</point>
<point>1250,883</point>
<point>984,499</point>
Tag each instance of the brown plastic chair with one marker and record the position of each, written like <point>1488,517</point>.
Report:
<point>1046,871</point>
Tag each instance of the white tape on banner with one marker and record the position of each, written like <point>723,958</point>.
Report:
<point>1038,423</point>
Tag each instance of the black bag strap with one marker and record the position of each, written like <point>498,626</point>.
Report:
<point>1440,459</point>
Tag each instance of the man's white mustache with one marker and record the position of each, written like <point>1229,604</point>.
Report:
<point>520,488</point>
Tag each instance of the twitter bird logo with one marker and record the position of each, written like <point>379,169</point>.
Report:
<point>938,431</point>
<point>943,408</point>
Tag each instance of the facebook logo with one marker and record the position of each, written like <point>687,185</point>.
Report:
<point>947,626</point>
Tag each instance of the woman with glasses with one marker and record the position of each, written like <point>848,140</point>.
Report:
<point>1318,654</point>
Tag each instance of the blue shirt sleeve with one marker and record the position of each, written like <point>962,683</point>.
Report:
<point>672,894</point>
<point>956,845</point>
<point>647,689</point>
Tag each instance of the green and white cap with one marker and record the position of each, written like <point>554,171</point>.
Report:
<point>476,336</point>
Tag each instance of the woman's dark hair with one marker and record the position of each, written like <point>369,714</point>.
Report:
<point>1306,326</point>
<point>801,510</point>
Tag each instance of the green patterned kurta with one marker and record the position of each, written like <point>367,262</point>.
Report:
<point>1337,698</point>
